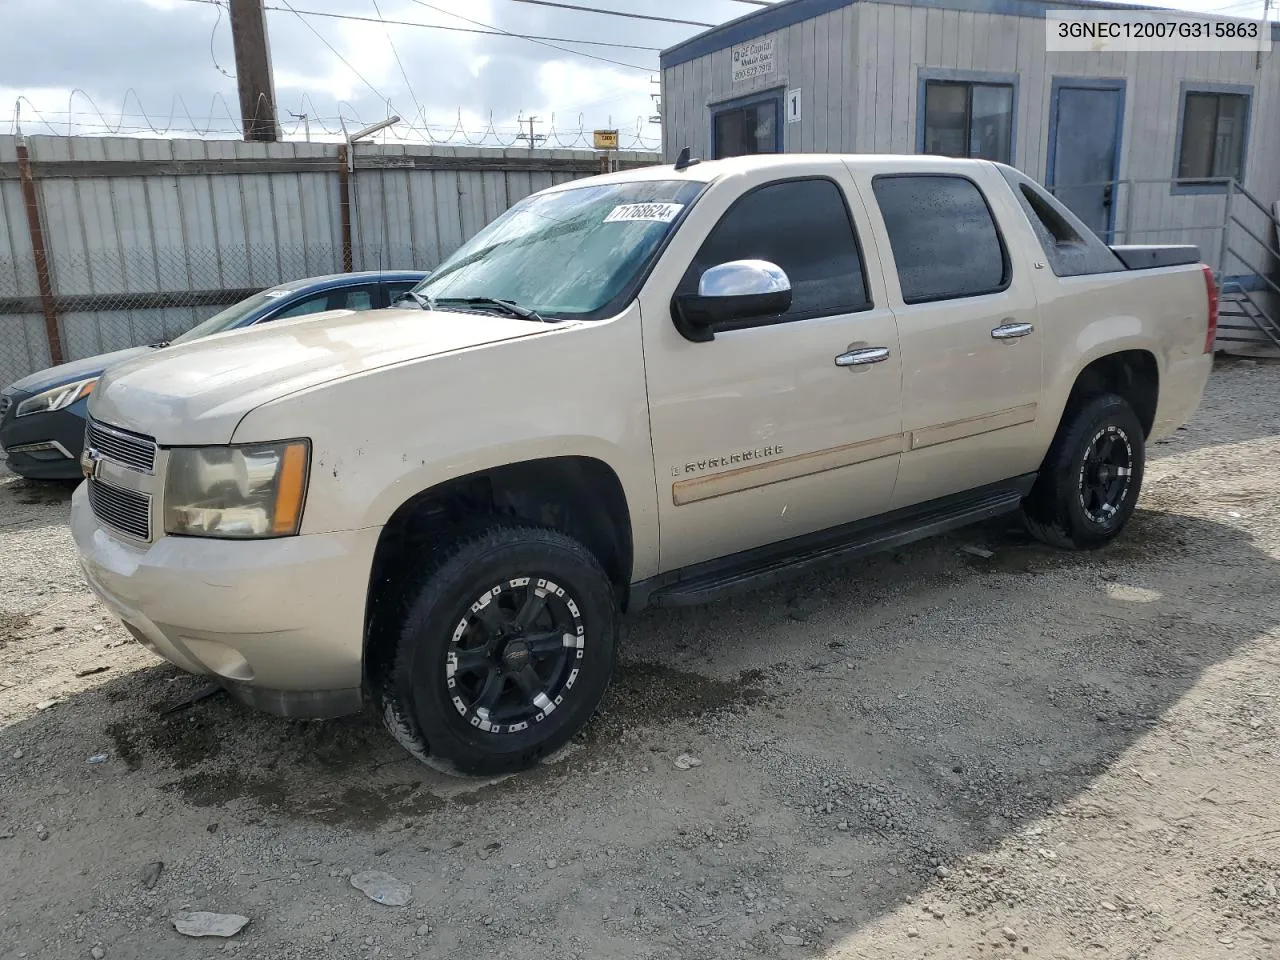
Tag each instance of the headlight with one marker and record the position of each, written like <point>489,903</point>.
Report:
<point>241,493</point>
<point>57,398</point>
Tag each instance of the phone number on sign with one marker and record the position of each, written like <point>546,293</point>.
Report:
<point>1157,30</point>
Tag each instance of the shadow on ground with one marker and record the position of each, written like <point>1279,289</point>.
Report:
<point>892,697</point>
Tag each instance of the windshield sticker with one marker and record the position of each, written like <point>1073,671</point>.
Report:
<point>655,212</point>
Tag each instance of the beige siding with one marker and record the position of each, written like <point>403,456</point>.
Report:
<point>860,89</point>
<point>814,55</point>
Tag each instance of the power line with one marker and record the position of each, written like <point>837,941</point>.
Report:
<point>333,49</point>
<point>437,26</point>
<point>615,13</point>
<point>543,43</point>
<point>473,30</point>
<point>396,53</point>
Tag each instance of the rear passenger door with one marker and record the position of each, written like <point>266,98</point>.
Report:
<point>967,316</point>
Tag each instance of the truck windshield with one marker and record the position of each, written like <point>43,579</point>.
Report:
<point>566,254</point>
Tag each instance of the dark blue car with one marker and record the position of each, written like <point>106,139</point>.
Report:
<point>42,416</point>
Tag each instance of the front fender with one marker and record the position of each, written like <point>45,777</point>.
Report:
<point>381,437</point>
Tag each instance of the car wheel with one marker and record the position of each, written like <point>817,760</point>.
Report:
<point>1089,483</point>
<point>504,651</point>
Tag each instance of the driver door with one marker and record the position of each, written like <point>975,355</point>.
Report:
<point>760,434</point>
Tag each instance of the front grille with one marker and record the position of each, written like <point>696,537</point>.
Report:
<point>130,449</point>
<point>6,402</point>
<point>125,510</point>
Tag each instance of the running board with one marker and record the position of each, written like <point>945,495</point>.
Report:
<point>766,566</point>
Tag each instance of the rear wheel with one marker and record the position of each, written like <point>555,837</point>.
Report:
<point>504,652</point>
<point>1090,480</point>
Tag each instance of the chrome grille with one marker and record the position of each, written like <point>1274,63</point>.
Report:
<point>126,510</point>
<point>6,401</point>
<point>130,449</point>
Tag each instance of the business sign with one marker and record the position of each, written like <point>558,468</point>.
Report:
<point>754,59</point>
<point>606,139</point>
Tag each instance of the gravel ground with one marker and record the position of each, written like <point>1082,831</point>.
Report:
<point>928,754</point>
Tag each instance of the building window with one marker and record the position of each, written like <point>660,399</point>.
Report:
<point>747,128</point>
<point>968,119</point>
<point>1213,135</point>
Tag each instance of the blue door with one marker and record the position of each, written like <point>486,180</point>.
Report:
<point>1086,117</point>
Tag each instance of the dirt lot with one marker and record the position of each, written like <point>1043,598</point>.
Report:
<point>930,754</point>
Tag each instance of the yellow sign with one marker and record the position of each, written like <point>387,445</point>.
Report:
<point>606,139</point>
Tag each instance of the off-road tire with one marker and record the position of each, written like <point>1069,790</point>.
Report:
<point>1055,510</point>
<point>415,697</point>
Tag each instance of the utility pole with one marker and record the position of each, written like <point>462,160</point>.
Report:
<point>533,138</point>
<point>1266,25</point>
<point>253,71</point>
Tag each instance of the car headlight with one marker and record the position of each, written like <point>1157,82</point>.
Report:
<point>56,399</point>
<point>244,492</point>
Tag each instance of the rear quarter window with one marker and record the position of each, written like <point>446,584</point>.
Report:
<point>945,241</point>
<point>1070,247</point>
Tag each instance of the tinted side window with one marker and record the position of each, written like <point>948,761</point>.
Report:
<point>352,298</point>
<point>397,290</point>
<point>1070,248</point>
<point>802,226</point>
<point>315,304</point>
<point>944,239</point>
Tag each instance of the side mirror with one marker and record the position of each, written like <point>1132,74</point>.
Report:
<point>738,290</point>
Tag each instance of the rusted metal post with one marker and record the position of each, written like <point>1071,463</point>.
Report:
<point>31,201</point>
<point>344,203</point>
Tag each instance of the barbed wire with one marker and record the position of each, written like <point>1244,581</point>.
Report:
<point>417,128</point>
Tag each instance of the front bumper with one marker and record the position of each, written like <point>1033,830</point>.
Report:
<point>279,623</point>
<point>56,440</point>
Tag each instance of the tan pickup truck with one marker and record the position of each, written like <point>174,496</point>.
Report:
<point>657,387</point>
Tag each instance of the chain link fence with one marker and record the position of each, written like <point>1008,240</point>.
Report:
<point>109,300</point>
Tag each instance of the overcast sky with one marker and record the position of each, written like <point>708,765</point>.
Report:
<point>163,49</point>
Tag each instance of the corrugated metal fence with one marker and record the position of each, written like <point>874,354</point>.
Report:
<point>142,239</point>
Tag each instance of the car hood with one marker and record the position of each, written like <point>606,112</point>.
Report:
<point>43,380</point>
<point>196,393</point>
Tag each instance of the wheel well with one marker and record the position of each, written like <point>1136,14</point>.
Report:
<point>1131,374</point>
<point>579,496</point>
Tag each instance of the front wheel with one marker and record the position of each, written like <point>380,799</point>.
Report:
<point>505,650</point>
<point>1090,480</point>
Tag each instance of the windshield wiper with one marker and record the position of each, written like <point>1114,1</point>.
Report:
<point>417,298</point>
<point>510,306</point>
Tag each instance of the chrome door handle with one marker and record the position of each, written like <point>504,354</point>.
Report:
<point>1007,331</point>
<point>856,358</point>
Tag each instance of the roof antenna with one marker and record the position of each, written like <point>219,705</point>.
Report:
<point>684,161</point>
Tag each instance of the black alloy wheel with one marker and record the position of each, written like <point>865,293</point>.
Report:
<point>1106,472</point>
<point>513,658</point>
<point>504,649</point>
<point>1089,482</point>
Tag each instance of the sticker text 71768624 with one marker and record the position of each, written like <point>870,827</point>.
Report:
<point>655,212</point>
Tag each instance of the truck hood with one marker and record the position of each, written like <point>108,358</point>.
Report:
<point>196,393</point>
<point>74,370</point>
